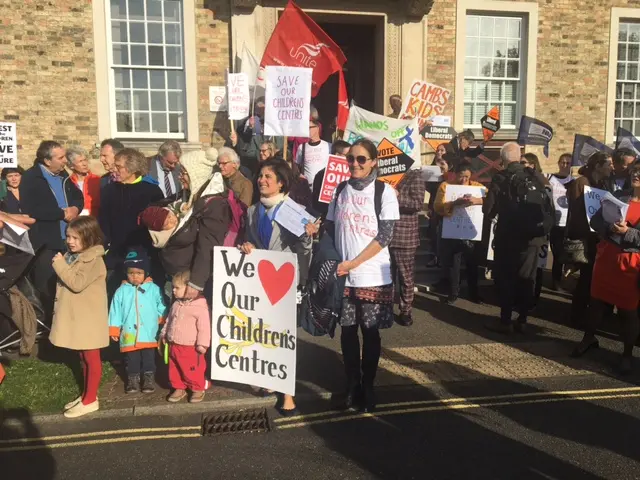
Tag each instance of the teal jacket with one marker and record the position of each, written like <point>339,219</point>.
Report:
<point>136,315</point>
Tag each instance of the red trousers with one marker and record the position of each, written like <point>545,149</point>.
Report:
<point>187,368</point>
<point>92,372</point>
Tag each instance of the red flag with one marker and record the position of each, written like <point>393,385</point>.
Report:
<point>298,41</point>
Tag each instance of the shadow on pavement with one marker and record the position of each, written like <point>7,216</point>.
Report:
<point>40,463</point>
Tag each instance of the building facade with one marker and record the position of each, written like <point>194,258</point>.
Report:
<point>140,70</point>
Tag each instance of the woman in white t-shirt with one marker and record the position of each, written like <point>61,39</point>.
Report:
<point>362,239</point>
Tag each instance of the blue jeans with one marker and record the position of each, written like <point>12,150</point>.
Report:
<point>141,361</point>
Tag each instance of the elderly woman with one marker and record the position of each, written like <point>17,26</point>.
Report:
<point>274,182</point>
<point>615,274</point>
<point>203,221</point>
<point>229,163</point>
<point>122,202</point>
<point>13,177</point>
<point>267,150</point>
<point>88,183</point>
<point>363,245</point>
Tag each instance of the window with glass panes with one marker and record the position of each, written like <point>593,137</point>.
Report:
<point>493,68</point>
<point>147,68</point>
<point>627,112</point>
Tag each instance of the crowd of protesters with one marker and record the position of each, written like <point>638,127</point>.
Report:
<point>134,247</point>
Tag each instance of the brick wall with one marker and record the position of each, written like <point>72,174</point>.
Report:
<point>48,76</point>
<point>572,65</point>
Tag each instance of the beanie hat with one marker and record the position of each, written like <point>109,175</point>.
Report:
<point>199,166</point>
<point>137,258</point>
<point>153,217</point>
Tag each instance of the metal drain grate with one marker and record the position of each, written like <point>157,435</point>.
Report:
<point>243,421</point>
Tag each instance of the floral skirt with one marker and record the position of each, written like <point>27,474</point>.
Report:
<point>370,307</point>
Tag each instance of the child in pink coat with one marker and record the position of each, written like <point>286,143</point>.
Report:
<point>188,334</point>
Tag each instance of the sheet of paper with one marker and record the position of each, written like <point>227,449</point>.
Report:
<point>16,237</point>
<point>613,210</point>
<point>293,217</point>
<point>431,173</point>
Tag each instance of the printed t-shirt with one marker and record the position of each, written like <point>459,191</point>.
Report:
<point>356,225</point>
<point>316,158</point>
<point>558,186</point>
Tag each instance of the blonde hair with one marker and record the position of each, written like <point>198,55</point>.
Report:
<point>181,278</point>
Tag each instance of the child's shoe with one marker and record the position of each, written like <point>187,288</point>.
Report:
<point>133,384</point>
<point>148,385</point>
<point>196,397</point>
<point>177,395</point>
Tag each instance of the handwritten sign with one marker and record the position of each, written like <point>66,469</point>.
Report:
<point>239,100</point>
<point>218,99</point>
<point>253,337</point>
<point>405,134</point>
<point>337,171</point>
<point>393,163</point>
<point>466,222</point>
<point>8,145</point>
<point>592,201</point>
<point>424,101</point>
<point>287,101</point>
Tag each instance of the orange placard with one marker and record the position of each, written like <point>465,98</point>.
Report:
<point>393,163</point>
<point>490,123</point>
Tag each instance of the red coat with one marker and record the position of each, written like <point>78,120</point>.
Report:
<point>90,192</point>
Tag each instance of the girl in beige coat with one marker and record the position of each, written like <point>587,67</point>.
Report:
<point>80,318</point>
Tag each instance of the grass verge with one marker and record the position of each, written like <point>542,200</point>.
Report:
<point>41,387</point>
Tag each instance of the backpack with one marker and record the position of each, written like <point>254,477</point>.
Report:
<point>377,196</point>
<point>529,207</point>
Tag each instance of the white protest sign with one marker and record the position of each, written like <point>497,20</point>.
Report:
<point>238,98</point>
<point>592,200</point>
<point>217,99</point>
<point>287,101</point>
<point>466,222</point>
<point>8,145</point>
<point>254,322</point>
<point>404,134</point>
<point>560,201</point>
<point>431,173</point>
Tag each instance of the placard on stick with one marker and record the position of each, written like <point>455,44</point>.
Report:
<point>238,98</point>
<point>253,337</point>
<point>8,145</point>
<point>287,101</point>
<point>393,163</point>
<point>337,171</point>
<point>490,123</point>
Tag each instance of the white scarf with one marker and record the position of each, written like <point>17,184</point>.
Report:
<point>270,202</point>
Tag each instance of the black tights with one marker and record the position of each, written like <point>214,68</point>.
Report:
<point>360,371</point>
<point>630,324</point>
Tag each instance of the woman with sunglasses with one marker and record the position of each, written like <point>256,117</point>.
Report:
<point>615,274</point>
<point>362,238</point>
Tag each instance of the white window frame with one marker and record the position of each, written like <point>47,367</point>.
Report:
<point>105,81</point>
<point>618,15</point>
<point>529,53</point>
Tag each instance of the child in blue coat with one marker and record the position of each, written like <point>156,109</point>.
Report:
<point>136,314</point>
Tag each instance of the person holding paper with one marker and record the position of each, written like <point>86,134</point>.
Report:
<point>558,183</point>
<point>615,274</point>
<point>263,232</point>
<point>362,233</point>
<point>454,251</point>
<point>593,174</point>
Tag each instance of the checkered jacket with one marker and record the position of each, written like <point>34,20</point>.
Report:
<point>411,200</point>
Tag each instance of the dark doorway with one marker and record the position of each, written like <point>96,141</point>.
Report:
<point>358,42</point>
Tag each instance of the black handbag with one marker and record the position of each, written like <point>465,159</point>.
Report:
<point>573,252</point>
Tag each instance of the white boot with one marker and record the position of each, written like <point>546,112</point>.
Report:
<point>81,409</point>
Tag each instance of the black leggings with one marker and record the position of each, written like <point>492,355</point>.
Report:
<point>360,371</point>
<point>630,324</point>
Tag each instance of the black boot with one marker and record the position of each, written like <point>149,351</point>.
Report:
<point>353,397</point>
<point>369,400</point>
<point>351,356</point>
<point>133,384</point>
<point>148,384</point>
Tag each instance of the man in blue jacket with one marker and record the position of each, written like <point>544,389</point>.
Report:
<point>49,197</point>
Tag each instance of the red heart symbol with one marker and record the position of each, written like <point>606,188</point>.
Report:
<point>276,283</point>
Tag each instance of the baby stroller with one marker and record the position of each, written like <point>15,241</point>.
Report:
<point>19,329</point>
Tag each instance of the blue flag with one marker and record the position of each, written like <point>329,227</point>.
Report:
<point>626,139</point>
<point>535,132</point>
<point>585,146</point>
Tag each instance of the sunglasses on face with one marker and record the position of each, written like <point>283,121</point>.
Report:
<point>361,159</point>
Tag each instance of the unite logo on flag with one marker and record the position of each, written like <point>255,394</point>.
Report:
<point>306,52</point>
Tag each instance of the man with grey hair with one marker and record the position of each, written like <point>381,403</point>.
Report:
<point>86,181</point>
<point>162,168</point>
<point>229,163</point>
<point>518,198</point>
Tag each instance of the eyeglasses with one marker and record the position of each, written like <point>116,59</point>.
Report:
<point>222,164</point>
<point>361,159</point>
